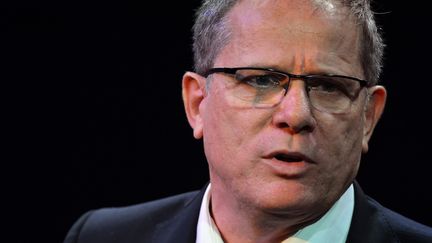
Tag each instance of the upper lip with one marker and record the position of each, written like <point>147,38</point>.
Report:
<point>294,156</point>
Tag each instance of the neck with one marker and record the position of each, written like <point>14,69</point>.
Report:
<point>240,222</point>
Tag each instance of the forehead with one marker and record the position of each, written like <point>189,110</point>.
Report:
<point>292,12</point>
<point>286,28</point>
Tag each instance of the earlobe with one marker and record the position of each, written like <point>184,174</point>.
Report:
<point>373,111</point>
<point>193,91</point>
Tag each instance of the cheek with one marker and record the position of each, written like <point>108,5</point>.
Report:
<point>220,129</point>
<point>230,133</point>
<point>341,138</point>
<point>228,124</point>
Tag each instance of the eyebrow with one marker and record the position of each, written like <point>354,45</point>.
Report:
<point>280,69</point>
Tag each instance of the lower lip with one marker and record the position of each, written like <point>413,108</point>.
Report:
<point>288,169</point>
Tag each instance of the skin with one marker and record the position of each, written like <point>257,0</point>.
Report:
<point>271,199</point>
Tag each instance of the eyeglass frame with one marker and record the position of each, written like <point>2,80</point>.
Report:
<point>232,71</point>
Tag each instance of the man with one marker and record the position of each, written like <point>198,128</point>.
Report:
<point>285,98</point>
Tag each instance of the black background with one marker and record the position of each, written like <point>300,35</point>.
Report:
<point>93,115</point>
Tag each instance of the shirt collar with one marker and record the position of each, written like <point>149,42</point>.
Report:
<point>207,231</point>
<point>332,227</point>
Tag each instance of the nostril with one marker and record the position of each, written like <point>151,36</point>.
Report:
<point>282,125</point>
<point>296,127</point>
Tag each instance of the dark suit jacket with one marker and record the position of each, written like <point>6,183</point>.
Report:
<point>174,219</point>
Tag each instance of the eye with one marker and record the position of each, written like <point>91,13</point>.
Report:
<point>328,85</point>
<point>265,81</point>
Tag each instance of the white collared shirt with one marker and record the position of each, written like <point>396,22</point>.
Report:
<point>332,227</point>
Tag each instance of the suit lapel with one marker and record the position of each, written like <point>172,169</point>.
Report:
<point>182,227</point>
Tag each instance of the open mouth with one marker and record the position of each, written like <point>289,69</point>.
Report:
<point>288,158</point>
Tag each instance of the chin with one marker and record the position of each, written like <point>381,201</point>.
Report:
<point>290,197</point>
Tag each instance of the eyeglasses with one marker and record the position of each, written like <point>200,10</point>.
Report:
<point>264,88</point>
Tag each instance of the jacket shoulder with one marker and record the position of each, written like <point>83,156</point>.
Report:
<point>126,224</point>
<point>374,223</point>
<point>403,228</point>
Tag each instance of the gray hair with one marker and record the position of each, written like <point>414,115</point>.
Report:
<point>211,34</point>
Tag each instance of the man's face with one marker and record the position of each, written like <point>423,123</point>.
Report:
<point>290,158</point>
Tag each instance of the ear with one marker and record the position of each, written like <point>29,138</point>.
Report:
<point>193,90</point>
<point>373,111</point>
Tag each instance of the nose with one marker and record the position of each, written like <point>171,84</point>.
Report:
<point>294,114</point>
